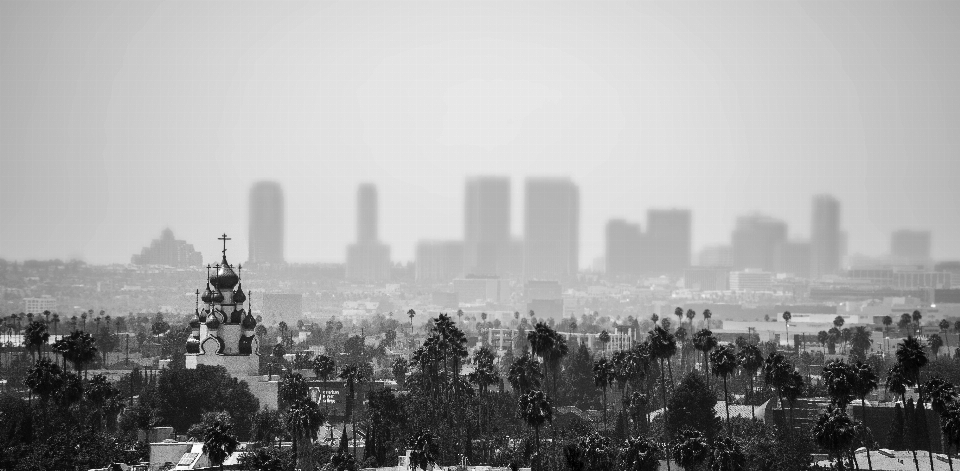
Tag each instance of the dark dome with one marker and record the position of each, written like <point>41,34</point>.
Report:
<point>238,296</point>
<point>203,315</point>
<point>193,345</point>
<point>195,324</point>
<point>249,323</point>
<point>213,321</point>
<point>217,297</point>
<point>225,277</point>
<point>207,295</point>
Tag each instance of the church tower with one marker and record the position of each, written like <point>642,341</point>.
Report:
<point>223,332</point>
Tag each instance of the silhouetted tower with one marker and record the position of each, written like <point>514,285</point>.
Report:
<point>623,247</point>
<point>551,229</point>
<point>668,242</point>
<point>755,242</point>
<point>486,248</point>
<point>367,260</point>
<point>367,213</point>
<point>825,236</point>
<point>266,223</point>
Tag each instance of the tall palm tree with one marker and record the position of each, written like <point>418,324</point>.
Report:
<point>706,318</point>
<point>535,409</point>
<point>690,315</point>
<point>864,382</point>
<point>36,336</point>
<point>750,360</point>
<point>604,338</point>
<point>541,340</point>
<point>704,341</point>
<point>887,322</point>
<point>524,374</point>
<point>950,427</point>
<point>724,362</point>
<point>896,382</point>
<point>603,376</point>
<point>911,358</point>
<point>944,329</point>
<point>679,313</point>
<point>835,432</point>
<point>935,342</point>
<point>727,455</point>
<point>786,322</point>
<point>323,369</point>
<point>303,419</point>
<point>78,348</point>
<point>663,346</point>
<point>917,316</point>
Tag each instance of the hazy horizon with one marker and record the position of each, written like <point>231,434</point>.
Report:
<point>119,119</point>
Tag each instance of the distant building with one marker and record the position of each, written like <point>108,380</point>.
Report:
<point>480,289</point>
<point>38,305</point>
<point>287,307</point>
<point>546,308</point>
<point>368,260</point>
<point>542,289</point>
<point>619,340</point>
<point>439,261</point>
<point>792,258</point>
<point>623,248</point>
<point>826,239</point>
<point>551,229</point>
<point>755,240</point>
<point>902,277</point>
<point>751,280</point>
<point>668,242</point>
<point>168,251</point>
<point>910,247</point>
<point>486,244</point>
<point>716,256</point>
<point>707,278</point>
<point>953,268</point>
<point>266,223</point>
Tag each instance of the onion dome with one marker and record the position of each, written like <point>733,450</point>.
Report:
<point>207,295</point>
<point>203,315</point>
<point>193,345</point>
<point>217,297</point>
<point>213,321</point>
<point>225,277</point>
<point>249,323</point>
<point>238,296</point>
<point>195,324</point>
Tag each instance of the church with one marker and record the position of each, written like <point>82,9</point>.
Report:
<point>223,331</point>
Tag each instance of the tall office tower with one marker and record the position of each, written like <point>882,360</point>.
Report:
<point>825,236</point>
<point>366,213</point>
<point>623,248</point>
<point>486,249</point>
<point>792,258</point>
<point>439,261</point>
<point>755,240</point>
<point>910,247</point>
<point>551,229</point>
<point>266,223</point>
<point>668,242</point>
<point>367,260</point>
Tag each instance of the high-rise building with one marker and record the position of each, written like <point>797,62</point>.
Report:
<point>169,251</point>
<point>623,246</point>
<point>486,247</point>
<point>792,257</point>
<point>551,229</point>
<point>266,223</point>
<point>367,260</point>
<point>439,261</point>
<point>668,242</point>
<point>910,247</point>
<point>825,237</point>
<point>755,240</point>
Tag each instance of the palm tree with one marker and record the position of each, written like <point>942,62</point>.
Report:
<point>459,316</point>
<point>835,432</point>
<point>524,374</point>
<point>950,426</point>
<point>690,315</point>
<point>44,379</point>
<point>935,342</point>
<point>679,313</point>
<point>750,360</point>
<point>727,455</point>
<point>535,409</point>
<point>724,362</point>
<point>704,341</point>
<point>706,318</point>
<point>424,450</point>
<point>887,322</point>
<point>36,336</point>
<point>604,338</point>
<point>603,376</point>
<point>641,454</point>
<point>78,348</point>
<point>303,419</point>
<point>911,358</point>
<point>216,433</point>
<point>786,322</point>
<point>690,449</point>
<point>956,328</point>
<point>323,369</point>
<point>353,375</point>
<point>864,382</point>
<point>411,313</point>
<point>896,382</point>
<point>917,316</point>
<point>541,340</point>
<point>944,329</point>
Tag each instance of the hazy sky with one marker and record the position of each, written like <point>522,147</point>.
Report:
<point>118,119</point>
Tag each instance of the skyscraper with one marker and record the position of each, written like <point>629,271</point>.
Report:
<point>551,229</point>
<point>266,223</point>
<point>910,247</point>
<point>367,260</point>
<point>486,248</point>
<point>755,242</point>
<point>668,242</point>
<point>825,237</point>
<point>623,247</point>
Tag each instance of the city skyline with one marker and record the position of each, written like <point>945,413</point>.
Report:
<point>646,106</point>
